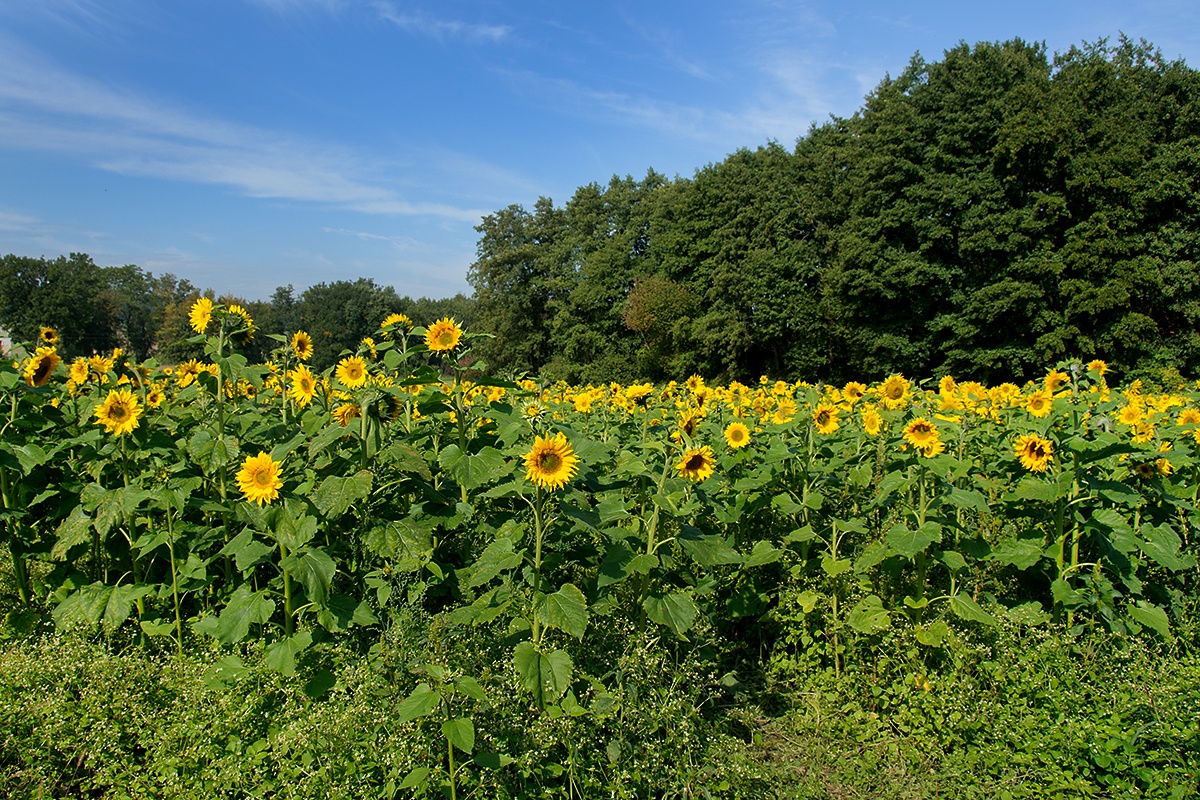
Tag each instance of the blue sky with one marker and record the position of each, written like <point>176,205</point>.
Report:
<point>248,144</point>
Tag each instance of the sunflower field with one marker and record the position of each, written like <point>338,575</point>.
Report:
<point>556,545</point>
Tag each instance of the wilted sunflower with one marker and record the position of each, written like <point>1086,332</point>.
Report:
<point>893,392</point>
<point>924,436</point>
<point>201,314</point>
<point>48,335</point>
<point>551,462</point>
<point>259,480</point>
<point>304,385</point>
<point>41,366</point>
<point>443,335</point>
<point>119,413</point>
<point>697,463</point>
<point>737,435</point>
<point>825,418</point>
<point>1034,452</point>
<point>352,372</point>
<point>302,345</point>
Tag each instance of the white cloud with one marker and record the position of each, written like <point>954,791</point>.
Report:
<point>46,108</point>
<point>440,29</point>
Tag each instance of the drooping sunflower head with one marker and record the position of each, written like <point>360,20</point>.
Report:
<point>201,314</point>
<point>825,418</point>
<point>346,412</point>
<point>48,335</point>
<point>120,412</point>
<point>242,323</point>
<point>697,463</point>
<point>352,372</point>
<point>551,462</point>
<point>443,335</point>
<point>259,480</point>
<point>302,345</point>
<point>1034,452</point>
<point>41,366</point>
<point>737,435</point>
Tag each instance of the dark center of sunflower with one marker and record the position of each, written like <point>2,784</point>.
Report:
<point>42,373</point>
<point>695,463</point>
<point>823,417</point>
<point>446,338</point>
<point>549,462</point>
<point>894,392</point>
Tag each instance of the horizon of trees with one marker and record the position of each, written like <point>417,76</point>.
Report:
<point>986,216</point>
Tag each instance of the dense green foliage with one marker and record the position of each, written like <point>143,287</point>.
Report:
<point>982,215</point>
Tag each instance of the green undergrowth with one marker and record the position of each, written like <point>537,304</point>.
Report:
<point>1019,712</point>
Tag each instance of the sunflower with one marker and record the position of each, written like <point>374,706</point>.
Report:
<point>393,321</point>
<point>259,479</point>
<point>551,462</point>
<point>689,422</point>
<point>443,335</point>
<point>1131,414</point>
<point>302,345</point>
<point>825,418</point>
<point>185,373</point>
<point>923,435</point>
<point>155,395</point>
<point>697,463</point>
<point>119,412</point>
<point>1039,404</point>
<point>1098,366</point>
<point>737,435</point>
<point>872,422</point>
<point>352,372</point>
<point>79,371</point>
<point>893,392</point>
<point>1034,452</point>
<point>368,345</point>
<point>304,385</point>
<point>243,323</point>
<point>346,412</point>
<point>852,392</point>
<point>41,366</point>
<point>48,335</point>
<point>201,314</point>
<point>1055,380</point>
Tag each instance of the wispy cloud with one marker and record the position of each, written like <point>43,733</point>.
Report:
<point>440,28</point>
<point>43,107</point>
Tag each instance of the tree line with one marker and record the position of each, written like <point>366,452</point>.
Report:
<point>94,309</point>
<point>985,215</point>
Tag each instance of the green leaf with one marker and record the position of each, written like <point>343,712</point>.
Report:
<point>246,550</point>
<point>968,498</point>
<point>869,615</point>
<point>910,543</point>
<point>471,688</point>
<point>499,556</point>
<point>292,527</point>
<point>210,452</point>
<point>763,553</point>
<point>492,760</point>
<point>342,612</point>
<point>1030,613</point>
<point>708,550</point>
<point>315,569</point>
<point>1161,544</point>
<point>281,656</point>
<point>415,779</point>
<point>120,604</point>
<point>933,634</point>
<point>460,732</point>
<point>566,610</point>
<point>676,611</point>
<point>545,675</point>
<point>473,470</point>
<point>872,555</point>
<point>1020,553</point>
<point>73,531</point>
<point>1152,617</point>
<point>84,606</point>
<point>968,609</point>
<point>421,702</point>
<point>245,608</point>
<point>336,494</point>
<point>835,566</point>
